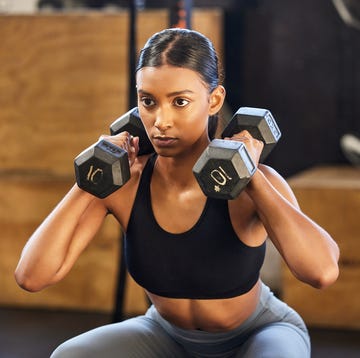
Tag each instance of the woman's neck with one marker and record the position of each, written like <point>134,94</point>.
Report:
<point>178,169</point>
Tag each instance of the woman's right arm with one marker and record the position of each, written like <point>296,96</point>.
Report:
<point>54,247</point>
<point>56,244</point>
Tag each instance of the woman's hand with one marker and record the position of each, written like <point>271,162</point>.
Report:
<point>125,141</point>
<point>253,146</point>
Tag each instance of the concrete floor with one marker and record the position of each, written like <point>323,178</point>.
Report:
<point>36,333</point>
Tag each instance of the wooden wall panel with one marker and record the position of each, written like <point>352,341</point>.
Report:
<point>63,80</point>
<point>90,285</point>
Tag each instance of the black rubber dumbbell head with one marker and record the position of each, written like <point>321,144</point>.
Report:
<point>131,122</point>
<point>102,168</point>
<point>259,123</point>
<point>224,169</point>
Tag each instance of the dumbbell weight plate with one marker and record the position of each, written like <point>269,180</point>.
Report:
<point>259,123</point>
<point>220,170</point>
<point>131,122</point>
<point>102,168</point>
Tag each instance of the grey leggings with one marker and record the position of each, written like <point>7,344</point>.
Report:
<point>274,330</point>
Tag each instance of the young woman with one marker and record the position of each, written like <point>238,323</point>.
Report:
<point>197,258</point>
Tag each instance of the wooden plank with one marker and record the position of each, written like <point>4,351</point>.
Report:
<point>340,177</point>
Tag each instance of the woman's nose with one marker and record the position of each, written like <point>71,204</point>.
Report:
<point>163,120</point>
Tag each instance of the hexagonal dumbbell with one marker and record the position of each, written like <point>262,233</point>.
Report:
<point>132,123</point>
<point>259,123</point>
<point>103,168</point>
<point>225,167</point>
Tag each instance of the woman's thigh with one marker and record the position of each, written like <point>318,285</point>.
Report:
<point>277,340</point>
<point>138,337</point>
<point>277,332</point>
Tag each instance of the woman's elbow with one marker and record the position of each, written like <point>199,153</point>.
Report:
<point>328,272</point>
<point>26,282</point>
<point>326,277</point>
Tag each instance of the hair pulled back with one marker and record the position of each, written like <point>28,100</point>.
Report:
<point>187,49</point>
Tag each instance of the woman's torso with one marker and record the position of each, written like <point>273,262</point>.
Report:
<point>177,210</point>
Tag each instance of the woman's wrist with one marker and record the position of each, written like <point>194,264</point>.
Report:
<point>257,181</point>
<point>81,195</point>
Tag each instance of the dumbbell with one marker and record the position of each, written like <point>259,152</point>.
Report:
<point>103,168</point>
<point>131,122</point>
<point>225,167</point>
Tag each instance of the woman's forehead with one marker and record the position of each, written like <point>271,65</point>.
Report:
<point>172,77</point>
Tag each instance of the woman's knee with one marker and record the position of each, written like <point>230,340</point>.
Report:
<point>107,341</point>
<point>138,337</point>
<point>69,350</point>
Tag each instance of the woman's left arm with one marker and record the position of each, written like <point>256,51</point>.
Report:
<point>308,250</point>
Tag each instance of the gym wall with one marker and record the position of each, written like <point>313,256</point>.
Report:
<point>300,60</point>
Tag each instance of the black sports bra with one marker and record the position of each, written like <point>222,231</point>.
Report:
<point>207,261</point>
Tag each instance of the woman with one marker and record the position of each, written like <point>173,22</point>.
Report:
<point>197,258</point>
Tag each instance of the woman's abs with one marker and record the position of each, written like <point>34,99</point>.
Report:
<point>211,315</point>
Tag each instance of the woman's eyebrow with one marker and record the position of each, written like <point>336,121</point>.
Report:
<point>171,94</point>
<point>178,93</point>
<point>143,92</point>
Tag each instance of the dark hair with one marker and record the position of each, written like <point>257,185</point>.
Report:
<point>188,49</point>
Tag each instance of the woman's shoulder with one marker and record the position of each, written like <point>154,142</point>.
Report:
<point>278,181</point>
<point>121,201</point>
<point>138,167</point>
<point>136,171</point>
<point>271,174</point>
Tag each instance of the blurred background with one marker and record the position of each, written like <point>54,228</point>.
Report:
<point>66,74</point>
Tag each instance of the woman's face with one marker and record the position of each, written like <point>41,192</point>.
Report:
<point>174,105</point>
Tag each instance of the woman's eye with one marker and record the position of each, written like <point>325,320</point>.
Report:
<point>181,102</point>
<point>147,102</point>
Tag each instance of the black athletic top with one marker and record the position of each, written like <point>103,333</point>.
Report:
<point>207,261</point>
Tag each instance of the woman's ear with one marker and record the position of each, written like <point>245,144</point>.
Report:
<point>217,98</point>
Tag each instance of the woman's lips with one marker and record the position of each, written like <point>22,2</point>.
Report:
<point>163,141</point>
